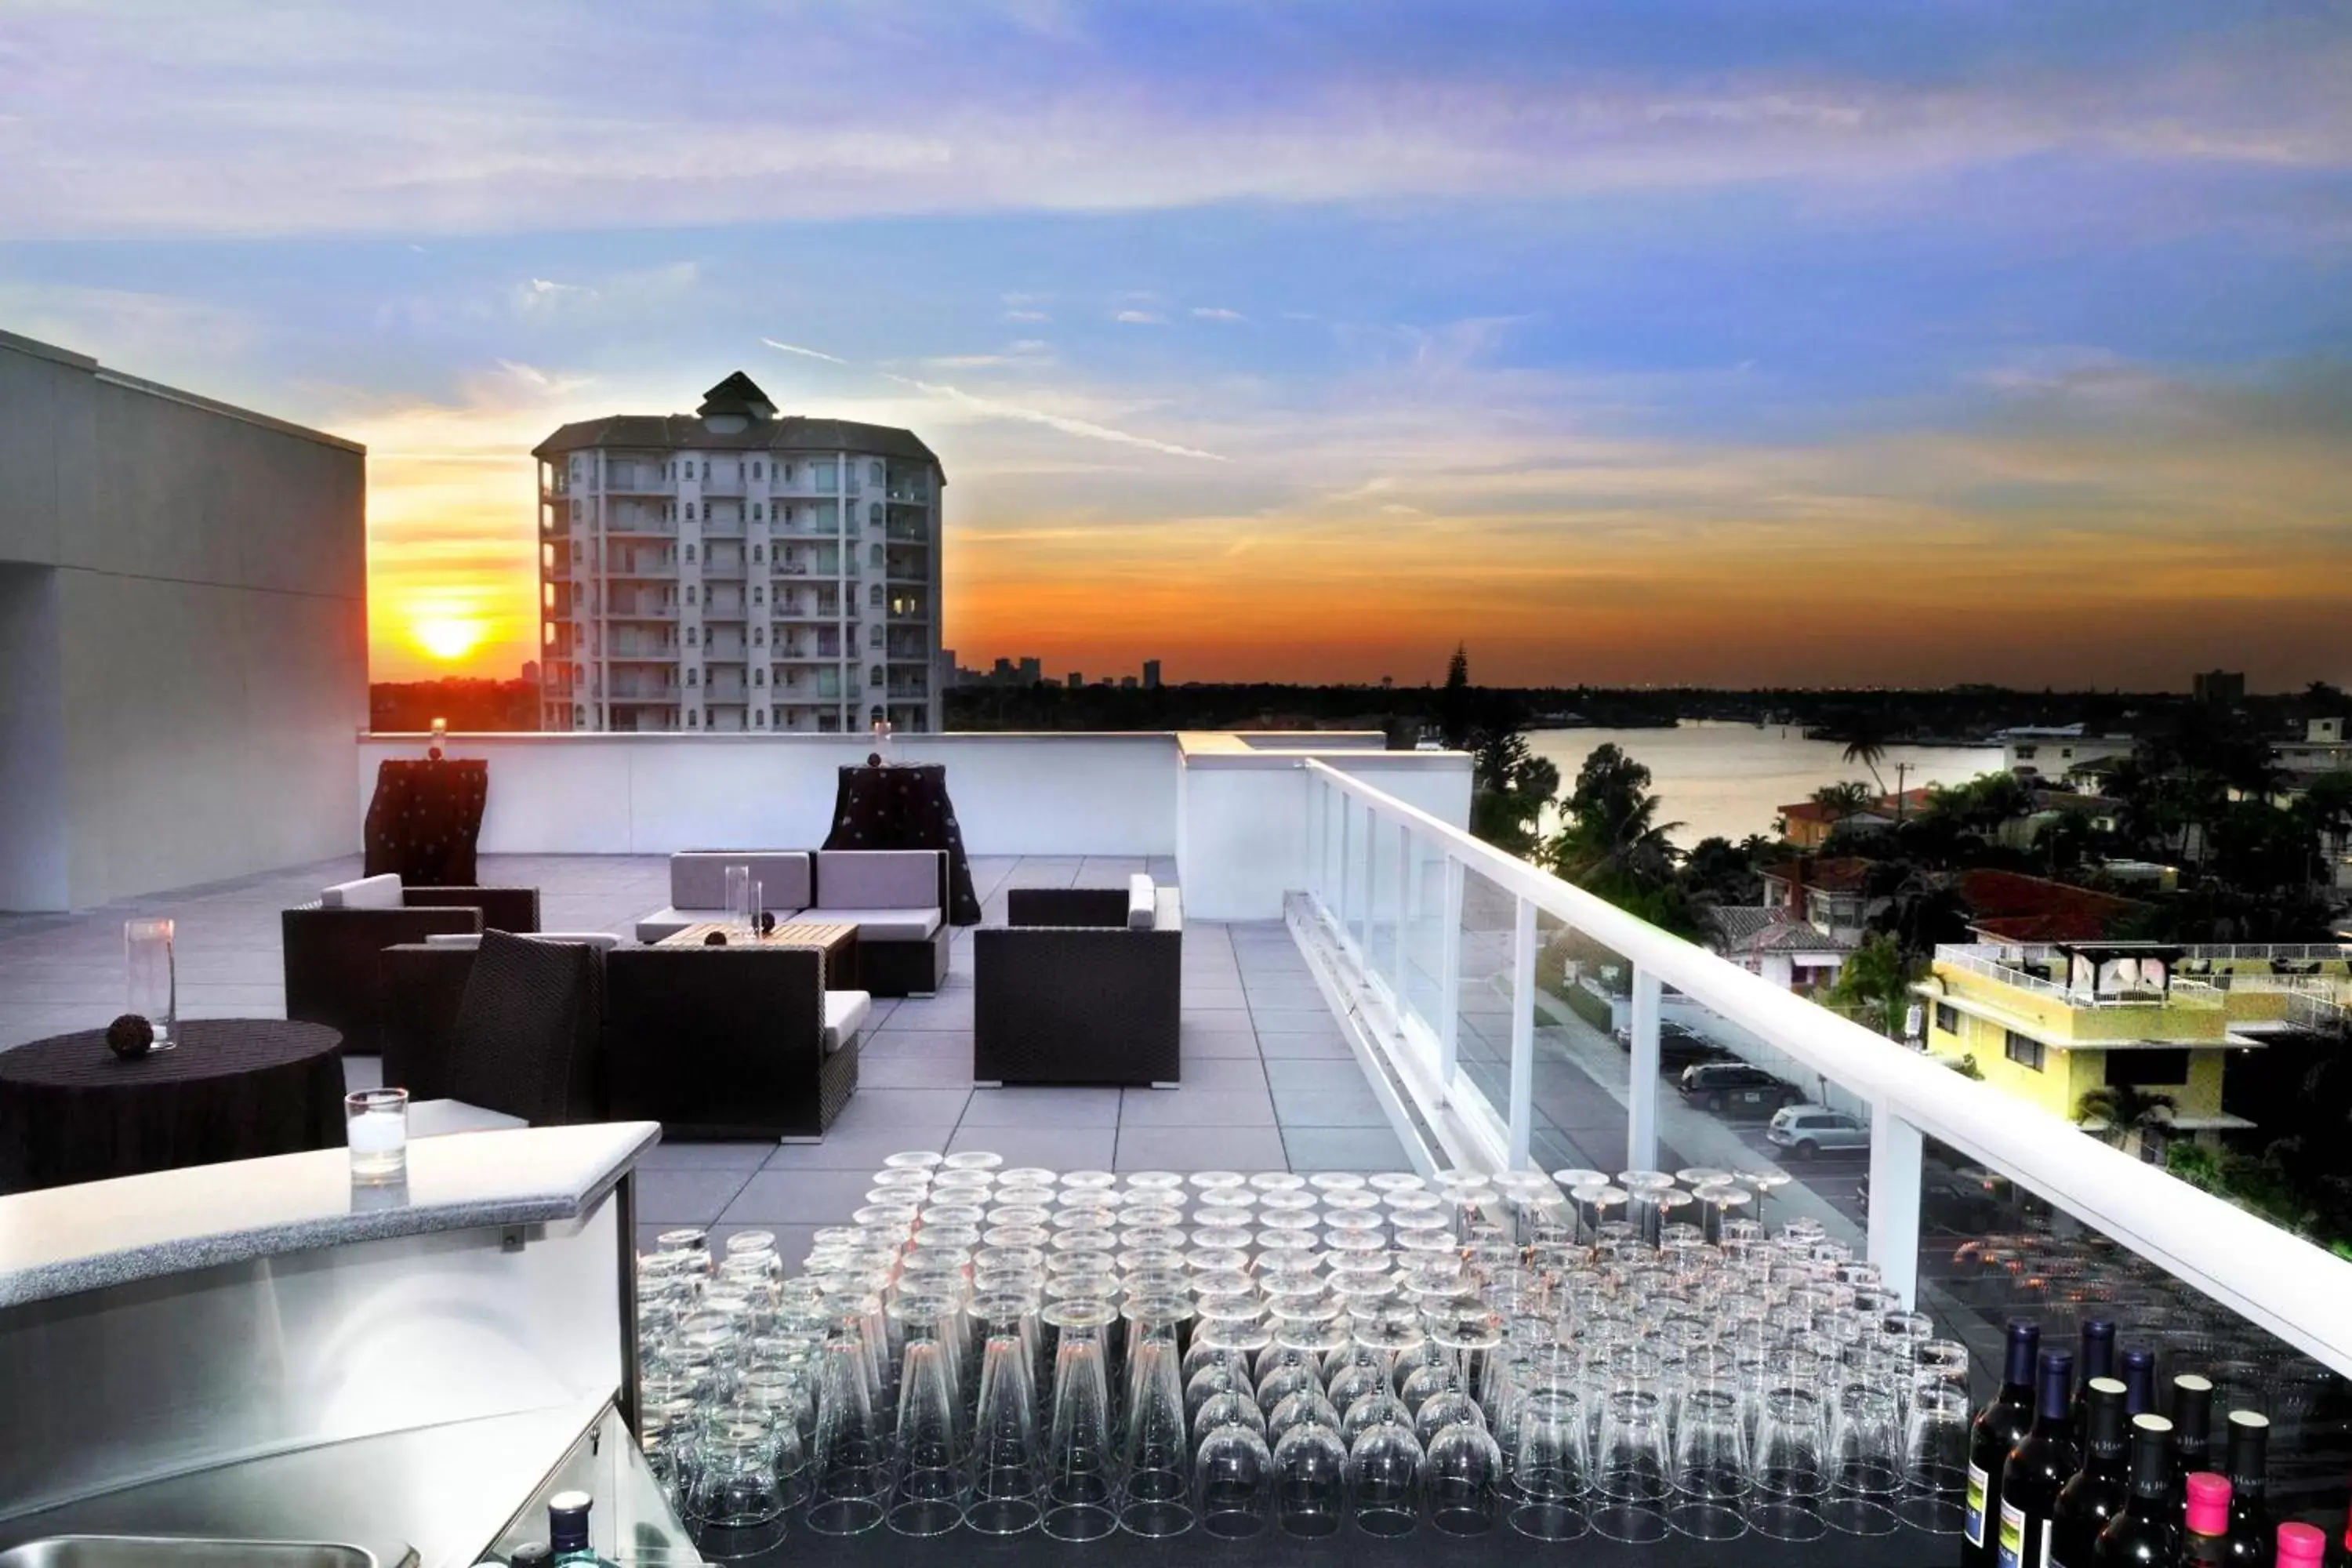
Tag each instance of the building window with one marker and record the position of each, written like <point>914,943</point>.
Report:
<point>759,678</point>
<point>760,635</point>
<point>788,473</point>
<point>690,590</point>
<point>2023,1049</point>
<point>691,637</point>
<point>755,470</point>
<point>706,472</point>
<point>693,676</point>
<point>874,638</point>
<point>689,512</point>
<point>877,556</point>
<point>873,679</point>
<point>758,593</point>
<point>874,515</point>
<point>760,717</point>
<point>689,555</point>
<point>873,473</point>
<point>694,717</point>
<point>759,513</point>
<point>2026,753</point>
<point>2135,1067</point>
<point>759,553</point>
<point>820,475</point>
<point>1948,1018</point>
<point>874,596</point>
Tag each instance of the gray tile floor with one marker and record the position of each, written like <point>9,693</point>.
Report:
<point>1269,1083</point>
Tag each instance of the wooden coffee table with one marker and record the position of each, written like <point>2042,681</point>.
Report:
<point>838,939</point>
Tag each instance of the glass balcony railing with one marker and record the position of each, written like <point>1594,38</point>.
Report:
<point>1521,1022</point>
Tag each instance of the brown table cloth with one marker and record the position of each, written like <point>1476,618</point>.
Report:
<point>233,1089</point>
<point>905,807</point>
<point>424,819</point>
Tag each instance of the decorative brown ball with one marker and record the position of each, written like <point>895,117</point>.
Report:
<point>130,1035</point>
<point>767,923</point>
<point>714,938</point>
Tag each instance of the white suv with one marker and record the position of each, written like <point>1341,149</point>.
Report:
<point>1806,1129</point>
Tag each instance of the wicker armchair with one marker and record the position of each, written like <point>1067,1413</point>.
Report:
<point>330,955</point>
<point>514,1028</point>
<point>1068,992</point>
<point>729,1042</point>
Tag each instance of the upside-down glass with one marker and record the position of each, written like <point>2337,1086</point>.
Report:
<point>735,1491</point>
<point>1710,1465</point>
<point>1002,1496</point>
<point>1791,1467</point>
<point>1935,1458</point>
<point>1383,1477</point>
<point>848,1466</point>
<point>1462,1478</point>
<point>1156,1452</point>
<point>1865,1462</point>
<point>1232,1471</point>
<point>926,1496</point>
<point>1081,1465</point>
<point>1310,1467</point>
<point>1629,1467</point>
<point>1550,1467</point>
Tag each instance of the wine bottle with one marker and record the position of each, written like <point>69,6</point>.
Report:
<point>2139,1383</point>
<point>2205,1539</point>
<point>1998,1427</point>
<point>2192,1434</point>
<point>567,1530</point>
<point>2095,1359</point>
<point>2097,1491</point>
<point>2044,1459</point>
<point>2301,1545</point>
<point>2252,1536</point>
<point>2142,1535</point>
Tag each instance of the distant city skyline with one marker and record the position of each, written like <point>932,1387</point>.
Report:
<point>1683,341</point>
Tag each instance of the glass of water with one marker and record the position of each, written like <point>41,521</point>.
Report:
<point>153,987</point>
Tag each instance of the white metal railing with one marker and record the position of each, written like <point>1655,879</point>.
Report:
<point>1382,873</point>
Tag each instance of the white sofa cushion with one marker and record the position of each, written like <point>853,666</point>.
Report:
<point>697,878</point>
<point>1142,902</point>
<point>364,894</point>
<point>845,1014</point>
<point>881,925</point>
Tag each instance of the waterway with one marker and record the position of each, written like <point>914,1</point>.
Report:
<point>1731,779</point>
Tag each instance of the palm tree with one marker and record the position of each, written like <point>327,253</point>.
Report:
<point>1866,742</point>
<point>1843,800</point>
<point>2127,1112</point>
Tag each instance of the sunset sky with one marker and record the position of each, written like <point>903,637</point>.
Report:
<point>1740,342</point>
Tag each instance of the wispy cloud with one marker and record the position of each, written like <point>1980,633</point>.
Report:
<point>1141,318</point>
<point>996,409</point>
<point>1217,313</point>
<point>805,353</point>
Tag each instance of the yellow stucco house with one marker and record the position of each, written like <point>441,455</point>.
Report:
<point>2049,1023</point>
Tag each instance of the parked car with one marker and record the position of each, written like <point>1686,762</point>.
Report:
<point>1735,1087</point>
<point>1965,1201</point>
<point>1806,1130</point>
<point>1678,1048</point>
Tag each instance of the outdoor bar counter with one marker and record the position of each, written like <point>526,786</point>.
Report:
<point>262,1351</point>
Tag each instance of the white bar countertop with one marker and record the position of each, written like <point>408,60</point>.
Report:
<point>65,1241</point>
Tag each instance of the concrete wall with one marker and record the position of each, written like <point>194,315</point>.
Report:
<point>1233,815</point>
<point>205,569</point>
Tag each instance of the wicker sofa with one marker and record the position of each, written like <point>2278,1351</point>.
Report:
<point>729,1042</point>
<point>1081,986</point>
<point>552,1035</point>
<point>697,887</point>
<point>897,900</point>
<point>332,944</point>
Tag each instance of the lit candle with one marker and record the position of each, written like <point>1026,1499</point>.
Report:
<point>378,1132</point>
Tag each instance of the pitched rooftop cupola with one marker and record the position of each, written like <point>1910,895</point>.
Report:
<point>733,404</point>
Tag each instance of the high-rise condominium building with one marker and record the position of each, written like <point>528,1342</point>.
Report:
<point>735,571</point>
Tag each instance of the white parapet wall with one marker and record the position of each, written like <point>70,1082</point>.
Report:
<point>1230,809</point>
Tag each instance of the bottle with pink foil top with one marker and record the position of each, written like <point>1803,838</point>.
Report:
<point>2204,1541</point>
<point>2301,1545</point>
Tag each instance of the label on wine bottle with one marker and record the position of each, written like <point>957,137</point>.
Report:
<point>2012,1536</point>
<point>1978,1484</point>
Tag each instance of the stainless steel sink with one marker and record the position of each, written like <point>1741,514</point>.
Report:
<point>174,1551</point>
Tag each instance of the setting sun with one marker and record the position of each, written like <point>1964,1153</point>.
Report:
<point>448,638</point>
